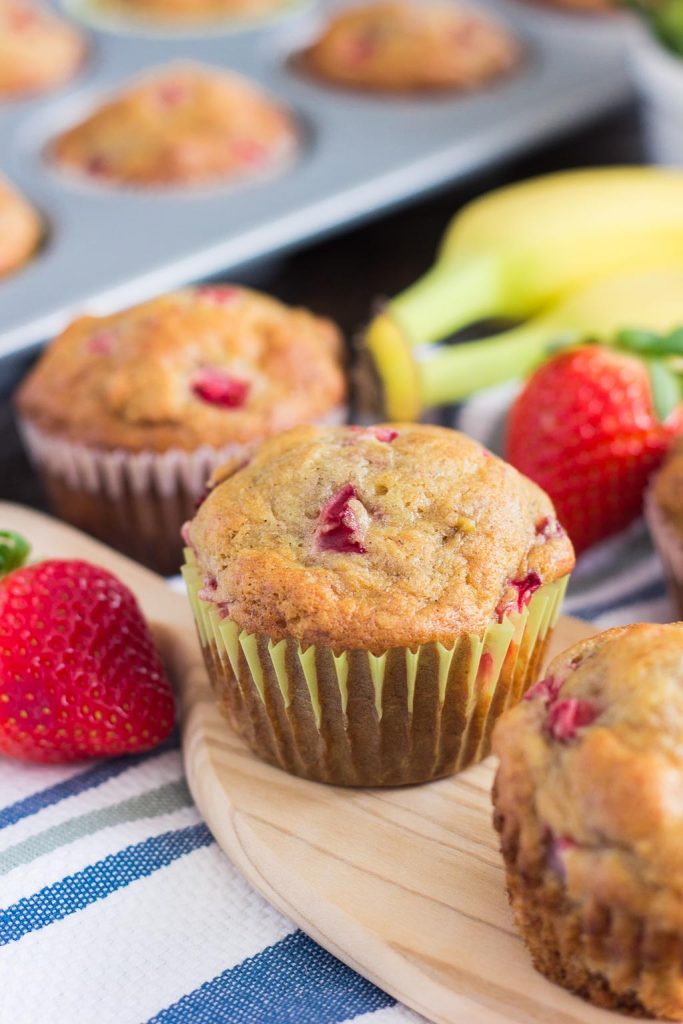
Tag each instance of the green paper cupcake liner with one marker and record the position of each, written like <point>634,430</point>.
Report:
<point>355,718</point>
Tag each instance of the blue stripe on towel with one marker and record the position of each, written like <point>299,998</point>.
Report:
<point>78,783</point>
<point>649,592</point>
<point>98,881</point>
<point>294,981</point>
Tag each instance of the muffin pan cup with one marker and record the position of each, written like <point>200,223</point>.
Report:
<point>108,247</point>
<point>355,718</point>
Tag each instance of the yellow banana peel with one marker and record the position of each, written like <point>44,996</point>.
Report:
<point>650,300</point>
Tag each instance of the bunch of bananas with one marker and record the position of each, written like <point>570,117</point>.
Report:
<point>573,256</point>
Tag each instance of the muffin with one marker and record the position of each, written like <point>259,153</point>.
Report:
<point>664,516</point>
<point>588,806</point>
<point>183,12</point>
<point>20,229</point>
<point>370,599</point>
<point>38,51</point>
<point>401,47</point>
<point>182,125</point>
<point>126,416</point>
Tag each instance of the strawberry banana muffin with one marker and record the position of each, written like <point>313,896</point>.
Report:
<point>38,51</point>
<point>370,599</point>
<point>588,805</point>
<point>403,47</point>
<point>664,516</point>
<point>20,229</point>
<point>126,416</point>
<point>191,11</point>
<point>182,125</point>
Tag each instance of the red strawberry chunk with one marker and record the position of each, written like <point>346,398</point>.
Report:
<point>79,673</point>
<point>558,846</point>
<point>549,528</point>
<point>547,689</point>
<point>172,93</point>
<point>385,434</point>
<point>566,717</point>
<point>102,343</point>
<point>220,388</point>
<point>248,151</point>
<point>221,294</point>
<point>339,527</point>
<point>526,588</point>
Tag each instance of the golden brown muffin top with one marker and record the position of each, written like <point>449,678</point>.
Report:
<point>375,537</point>
<point>184,11</point>
<point>595,754</point>
<point>667,487</point>
<point>183,124</point>
<point>398,46</point>
<point>20,229</point>
<point>37,50</point>
<point>206,366</point>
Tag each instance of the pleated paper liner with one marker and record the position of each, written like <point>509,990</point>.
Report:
<point>603,952</point>
<point>669,545</point>
<point>354,718</point>
<point>135,501</point>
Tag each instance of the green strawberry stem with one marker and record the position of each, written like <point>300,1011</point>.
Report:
<point>14,550</point>
<point>448,297</point>
<point>450,374</point>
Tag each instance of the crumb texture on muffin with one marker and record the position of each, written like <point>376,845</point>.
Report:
<point>181,125</point>
<point>375,538</point>
<point>20,229</point>
<point>589,804</point>
<point>188,11</point>
<point>212,365</point>
<point>38,51</point>
<point>398,46</point>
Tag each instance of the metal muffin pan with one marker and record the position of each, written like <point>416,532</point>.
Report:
<point>107,247</point>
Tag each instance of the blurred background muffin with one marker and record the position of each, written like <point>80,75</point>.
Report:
<point>191,11</point>
<point>369,600</point>
<point>180,125</point>
<point>403,47</point>
<point>126,416</point>
<point>20,229</point>
<point>587,801</point>
<point>38,51</point>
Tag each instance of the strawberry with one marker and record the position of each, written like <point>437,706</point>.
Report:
<point>592,424</point>
<point>79,673</point>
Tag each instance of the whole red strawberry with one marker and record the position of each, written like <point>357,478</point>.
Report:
<point>586,429</point>
<point>79,673</point>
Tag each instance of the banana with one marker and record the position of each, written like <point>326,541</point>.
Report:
<point>434,376</point>
<point>520,248</point>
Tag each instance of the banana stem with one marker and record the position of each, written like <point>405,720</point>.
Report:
<point>450,374</point>
<point>451,295</point>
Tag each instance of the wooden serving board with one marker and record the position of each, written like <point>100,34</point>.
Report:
<point>404,885</point>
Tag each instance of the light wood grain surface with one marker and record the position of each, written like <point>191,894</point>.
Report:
<point>404,885</point>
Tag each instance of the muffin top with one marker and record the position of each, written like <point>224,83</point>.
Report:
<point>180,125</point>
<point>20,229</point>
<point>375,537</point>
<point>206,366</point>
<point>38,51</point>
<point>667,487</point>
<point>594,758</point>
<point>192,10</point>
<point>399,46</point>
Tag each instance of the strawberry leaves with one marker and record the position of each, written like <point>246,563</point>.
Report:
<point>14,550</point>
<point>662,355</point>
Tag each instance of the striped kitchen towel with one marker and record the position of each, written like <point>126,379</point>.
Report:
<point>119,908</point>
